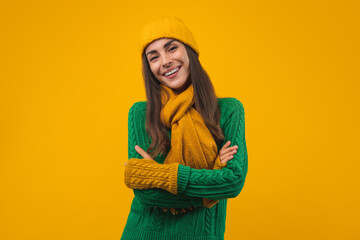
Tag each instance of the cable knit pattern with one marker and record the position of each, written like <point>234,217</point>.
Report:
<point>159,219</point>
<point>209,215</point>
<point>146,173</point>
<point>193,185</point>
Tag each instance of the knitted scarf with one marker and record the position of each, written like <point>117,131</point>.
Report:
<point>192,143</point>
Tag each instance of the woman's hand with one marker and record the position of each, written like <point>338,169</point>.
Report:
<point>143,153</point>
<point>226,153</point>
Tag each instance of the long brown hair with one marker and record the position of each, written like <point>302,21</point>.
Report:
<point>205,104</point>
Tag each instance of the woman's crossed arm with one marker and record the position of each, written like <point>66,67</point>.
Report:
<point>175,185</point>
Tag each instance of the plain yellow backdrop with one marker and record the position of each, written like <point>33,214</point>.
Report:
<point>70,71</point>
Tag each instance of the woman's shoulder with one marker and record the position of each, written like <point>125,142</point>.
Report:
<point>231,110</point>
<point>230,104</point>
<point>138,107</point>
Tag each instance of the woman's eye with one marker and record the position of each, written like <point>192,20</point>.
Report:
<point>173,48</point>
<point>153,58</point>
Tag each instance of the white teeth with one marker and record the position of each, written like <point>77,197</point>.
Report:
<point>171,72</point>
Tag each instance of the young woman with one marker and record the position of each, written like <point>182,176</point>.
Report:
<point>180,179</point>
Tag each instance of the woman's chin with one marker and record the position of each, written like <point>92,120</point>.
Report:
<point>175,86</point>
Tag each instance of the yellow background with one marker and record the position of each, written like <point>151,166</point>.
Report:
<point>70,71</point>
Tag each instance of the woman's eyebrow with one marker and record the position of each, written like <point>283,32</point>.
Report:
<point>168,43</point>
<point>165,46</point>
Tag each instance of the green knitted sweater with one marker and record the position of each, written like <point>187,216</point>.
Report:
<point>147,218</point>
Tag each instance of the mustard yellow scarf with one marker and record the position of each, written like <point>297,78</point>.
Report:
<point>191,141</point>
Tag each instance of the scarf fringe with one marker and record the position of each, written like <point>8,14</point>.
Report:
<point>176,211</point>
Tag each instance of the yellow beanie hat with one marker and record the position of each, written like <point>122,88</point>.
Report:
<point>167,27</point>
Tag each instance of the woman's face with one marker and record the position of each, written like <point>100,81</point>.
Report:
<point>169,63</point>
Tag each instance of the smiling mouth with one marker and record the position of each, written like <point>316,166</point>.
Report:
<point>171,72</point>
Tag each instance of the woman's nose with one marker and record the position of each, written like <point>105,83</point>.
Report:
<point>166,61</point>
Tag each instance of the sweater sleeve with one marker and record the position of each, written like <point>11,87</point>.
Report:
<point>228,181</point>
<point>156,191</point>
